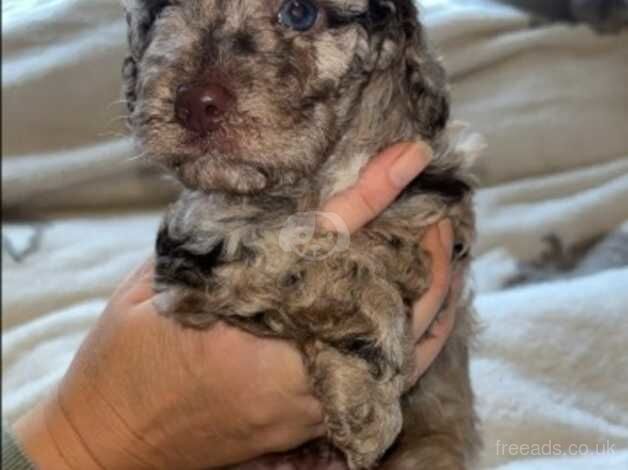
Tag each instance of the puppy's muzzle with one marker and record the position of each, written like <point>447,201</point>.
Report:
<point>200,108</point>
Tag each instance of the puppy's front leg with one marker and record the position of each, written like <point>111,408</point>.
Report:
<point>362,415</point>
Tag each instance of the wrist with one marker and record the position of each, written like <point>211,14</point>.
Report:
<point>49,443</point>
<point>78,433</point>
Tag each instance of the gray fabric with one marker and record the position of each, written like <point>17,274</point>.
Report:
<point>12,456</point>
<point>603,15</point>
<point>586,258</point>
<point>555,9</point>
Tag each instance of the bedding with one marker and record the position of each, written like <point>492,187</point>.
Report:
<point>551,364</point>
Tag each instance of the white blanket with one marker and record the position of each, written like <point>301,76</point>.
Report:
<point>551,367</point>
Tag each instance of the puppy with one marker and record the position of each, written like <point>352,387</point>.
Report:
<point>263,109</point>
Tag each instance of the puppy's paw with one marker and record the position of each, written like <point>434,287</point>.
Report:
<point>365,432</point>
<point>363,415</point>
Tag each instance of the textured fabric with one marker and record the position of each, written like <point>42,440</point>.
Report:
<point>602,15</point>
<point>12,456</point>
<point>64,139</point>
<point>550,366</point>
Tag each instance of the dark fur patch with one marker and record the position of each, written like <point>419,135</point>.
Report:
<point>373,20</point>
<point>395,242</point>
<point>244,43</point>
<point>366,350</point>
<point>129,73</point>
<point>153,8</point>
<point>447,185</point>
<point>461,251</point>
<point>435,109</point>
<point>291,279</point>
<point>177,265</point>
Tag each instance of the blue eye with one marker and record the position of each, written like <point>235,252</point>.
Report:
<point>299,15</point>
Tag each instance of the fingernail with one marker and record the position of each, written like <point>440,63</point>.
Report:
<point>410,163</point>
<point>446,232</point>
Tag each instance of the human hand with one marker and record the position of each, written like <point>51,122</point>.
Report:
<point>381,182</point>
<point>143,392</point>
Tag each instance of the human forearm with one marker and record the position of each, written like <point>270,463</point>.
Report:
<point>50,442</point>
<point>13,456</point>
<point>86,436</point>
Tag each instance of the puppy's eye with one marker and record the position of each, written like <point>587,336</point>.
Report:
<point>299,15</point>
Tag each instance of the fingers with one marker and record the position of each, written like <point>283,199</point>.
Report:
<point>379,185</point>
<point>312,412</point>
<point>428,349</point>
<point>138,286</point>
<point>438,241</point>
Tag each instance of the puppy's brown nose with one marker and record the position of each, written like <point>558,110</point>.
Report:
<point>200,108</point>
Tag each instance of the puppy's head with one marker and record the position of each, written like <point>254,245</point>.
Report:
<point>241,95</point>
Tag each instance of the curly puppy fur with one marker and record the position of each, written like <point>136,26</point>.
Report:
<point>310,109</point>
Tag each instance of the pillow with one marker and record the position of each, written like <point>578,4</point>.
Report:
<point>547,99</point>
<point>65,141</point>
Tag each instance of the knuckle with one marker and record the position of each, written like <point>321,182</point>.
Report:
<point>368,201</point>
<point>260,417</point>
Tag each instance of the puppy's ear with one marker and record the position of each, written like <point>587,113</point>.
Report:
<point>426,81</point>
<point>399,36</point>
<point>140,16</point>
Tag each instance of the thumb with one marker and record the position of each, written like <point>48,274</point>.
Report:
<point>381,181</point>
